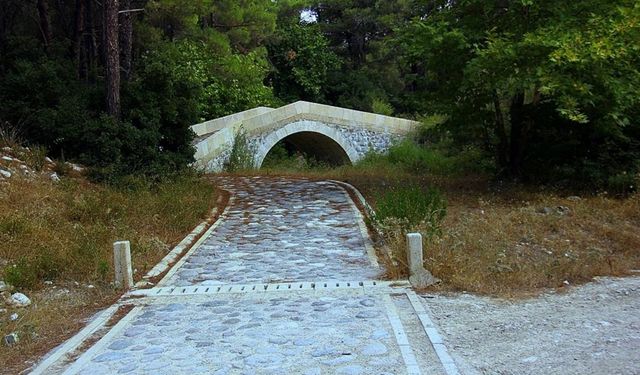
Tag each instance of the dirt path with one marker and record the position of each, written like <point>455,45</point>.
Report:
<point>591,329</point>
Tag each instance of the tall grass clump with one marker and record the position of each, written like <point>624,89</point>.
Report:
<point>412,208</point>
<point>436,160</point>
<point>242,153</point>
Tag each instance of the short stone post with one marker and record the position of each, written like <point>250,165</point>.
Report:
<point>418,276</point>
<point>122,264</point>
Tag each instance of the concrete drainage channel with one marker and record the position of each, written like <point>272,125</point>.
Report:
<point>324,326</point>
<point>275,287</point>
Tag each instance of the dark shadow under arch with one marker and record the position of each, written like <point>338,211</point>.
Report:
<point>313,145</point>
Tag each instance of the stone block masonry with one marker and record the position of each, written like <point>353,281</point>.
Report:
<point>355,132</point>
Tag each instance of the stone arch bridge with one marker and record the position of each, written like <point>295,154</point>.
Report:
<point>333,134</point>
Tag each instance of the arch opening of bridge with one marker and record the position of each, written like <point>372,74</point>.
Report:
<point>311,145</point>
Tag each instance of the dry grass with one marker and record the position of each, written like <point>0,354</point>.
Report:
<point>57,314</point>
<point>63,232</point>
<point>507,245</point>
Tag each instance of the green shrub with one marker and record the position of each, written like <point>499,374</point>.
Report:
<point>381,107</point>
<point>13,225</point>
<point>241,157</point>
<point>412,208</point>
<point>623,183</point>
<point>429,159</point>
<point>36,157</point>
<point>21,275</point>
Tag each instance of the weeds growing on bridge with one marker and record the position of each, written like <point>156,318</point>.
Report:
<point>242,153</point>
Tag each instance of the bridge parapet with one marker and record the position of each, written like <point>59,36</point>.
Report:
<point>355,131</point>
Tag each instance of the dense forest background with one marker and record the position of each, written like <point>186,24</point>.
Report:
<point>546,90</point>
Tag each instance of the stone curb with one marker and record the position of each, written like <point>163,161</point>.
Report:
<point>370,213</point>
<point>75,341</point>
<point>187,243</point>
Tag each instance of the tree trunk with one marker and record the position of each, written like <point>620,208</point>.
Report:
<point>78,38</point>
<point>112,57</point>
<point>91,41</point>
<point>501,133</point>
<point>45,25</point>
<point>519,130</point>
<point>126,35</point>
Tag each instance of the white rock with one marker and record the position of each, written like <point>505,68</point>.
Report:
<point>13,317</point>
<point>48,160</point>
<point>76,167</point>
<point>90,286</point>
<point>19,300</point>
<point>7,158</point>
<point>5,174</point>
<point>3,286</point>
<point>54,177</point>
<point>48,282</point>
<point>6,149</point>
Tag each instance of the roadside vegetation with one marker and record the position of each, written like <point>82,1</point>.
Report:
<point>483,234</point>
<point>56,241</point>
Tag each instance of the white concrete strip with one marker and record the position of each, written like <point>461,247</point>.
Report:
<point>95,349</point>
<point>195,246</point>
<point>432,332</point>
<point>74,342</point>
<point>401,337</point>
<point>162,266</point>
<point>368,244</point>
<point>370,212</point>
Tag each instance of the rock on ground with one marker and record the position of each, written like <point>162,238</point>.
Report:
<point>19,300</point>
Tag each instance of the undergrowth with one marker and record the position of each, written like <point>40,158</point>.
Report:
<point>55,231</point>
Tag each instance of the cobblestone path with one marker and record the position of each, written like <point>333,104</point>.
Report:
<point>284,284</point>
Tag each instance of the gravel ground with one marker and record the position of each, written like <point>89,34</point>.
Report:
<point>591,329</point>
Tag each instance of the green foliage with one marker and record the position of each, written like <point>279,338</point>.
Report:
<point>381,107</point>
<point>545,87</point>
<point>303,63</point>
<point>430,159</point>
<point>25,274</point>
<point>242,153</point>
<point>281,159</point>
<point>37,157</point>
<point>21,275</point>
<point>411,207</point>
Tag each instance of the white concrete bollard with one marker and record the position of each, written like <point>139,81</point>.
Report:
<point>122,264</point>
<point>414,252</point>
<point>418,276</point>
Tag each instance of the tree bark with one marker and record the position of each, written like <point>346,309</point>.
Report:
<point>78,38</point>
<point>91,41</point>
<point>45,24</point>
<point>503,142</point>
<point>126,36</point>
<point>112,57</point>
<point>519,130</point>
